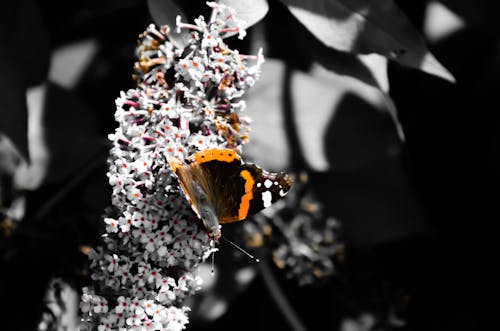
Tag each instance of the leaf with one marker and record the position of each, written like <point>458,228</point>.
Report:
<point>29,175</point>
<point>165,12</point>
<point>68,138</point>
<point>479,13</point>
<point>378,66</point>
<point>13,110</point>
<point>24,40</point>
<point>24,62</point>
<point>249,11</point>
<point>368,26</point>
<point>71,132</point>
<point>316,96</point>
<point>348,142</point>
<point>370,69</point>
<point>9,157</point>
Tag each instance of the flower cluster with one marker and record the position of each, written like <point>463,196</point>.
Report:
<point>305,241</point>
<point>187,99</point>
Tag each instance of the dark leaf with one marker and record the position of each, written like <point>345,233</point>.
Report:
<point>13,111</point>
<point>72,21</point>
<point>362,26</point>
<point>9,158</point>
<point>315,95</point>
<point>346,139</point>
<point>71,132</point>
<point>483,13</point>
<point>360,67</point>
<point>24,62</point>
<point>24,40</point>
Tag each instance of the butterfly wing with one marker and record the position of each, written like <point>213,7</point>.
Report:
<point>267,188</point>
<point>211,183</point>
<point>222,189</point>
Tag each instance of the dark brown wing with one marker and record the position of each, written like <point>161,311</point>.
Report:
<point>212,184</point>
<point>217,182</point>
<point>268,187</point>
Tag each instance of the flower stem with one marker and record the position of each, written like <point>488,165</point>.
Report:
<point>279,298</point>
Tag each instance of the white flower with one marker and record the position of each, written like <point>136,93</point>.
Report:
<point>134,195</point>
<point>112,225</point>
<point>100,305</point>
<point>122,304</point>
<point>140,165</point>
<point>176,319</point>
<point>112,261</point>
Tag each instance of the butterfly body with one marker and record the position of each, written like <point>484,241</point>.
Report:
<point>221,188</point>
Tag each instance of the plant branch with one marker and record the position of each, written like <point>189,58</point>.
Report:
<point>279,298</point>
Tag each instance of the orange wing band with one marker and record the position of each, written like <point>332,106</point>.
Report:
<point>245,199</point>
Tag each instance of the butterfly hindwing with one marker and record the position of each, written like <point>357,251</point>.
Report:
<point>210,181</point>
<point>223,185</point>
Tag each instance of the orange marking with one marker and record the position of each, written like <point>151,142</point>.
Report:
<point>245,199</point>
<point>215,154</point>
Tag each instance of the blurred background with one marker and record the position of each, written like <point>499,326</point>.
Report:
<point>406,163</point>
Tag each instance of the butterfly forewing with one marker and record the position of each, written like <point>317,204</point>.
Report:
<point>268,188</point>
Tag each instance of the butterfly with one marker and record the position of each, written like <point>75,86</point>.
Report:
<point>222,188</point>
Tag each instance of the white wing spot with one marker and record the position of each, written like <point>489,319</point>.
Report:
<point>282,193</point>
<point>268,183</point>
<point>267,198</point>
<point>259,184</point>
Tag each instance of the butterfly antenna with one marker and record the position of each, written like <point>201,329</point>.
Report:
<point>241,249</point>
<point>213,263</point>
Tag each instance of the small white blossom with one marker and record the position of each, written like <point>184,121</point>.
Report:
<point>112,225</point>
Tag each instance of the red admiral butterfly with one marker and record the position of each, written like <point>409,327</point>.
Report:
<point>223,189</point>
